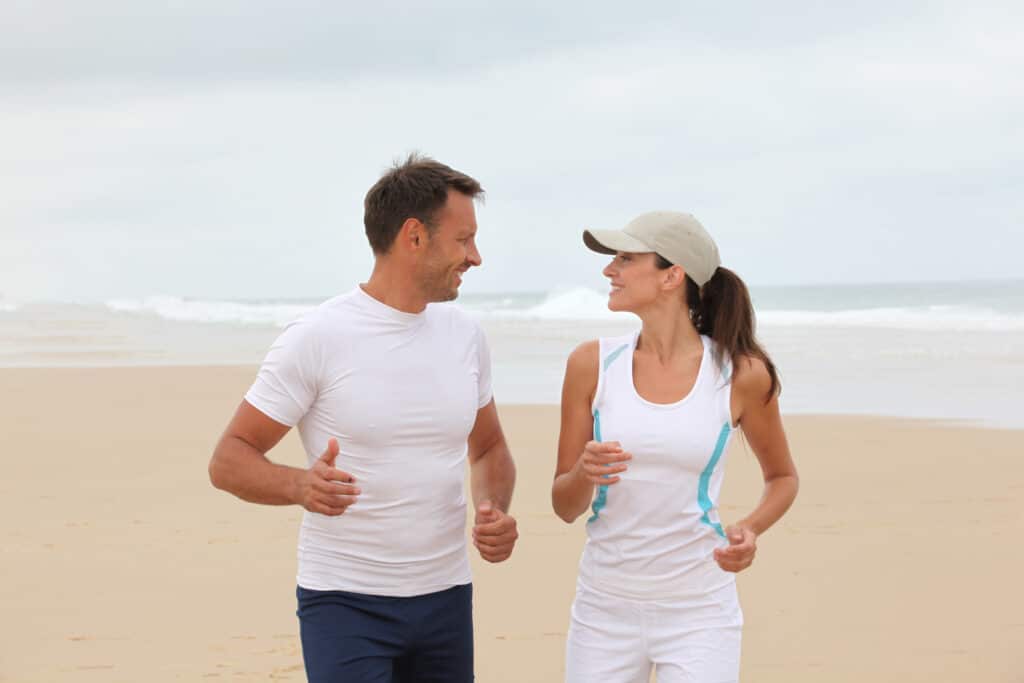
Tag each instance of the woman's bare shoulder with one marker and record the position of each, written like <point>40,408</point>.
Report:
<point>751,376</point>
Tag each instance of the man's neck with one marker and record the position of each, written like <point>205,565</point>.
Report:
<point>394,287</point>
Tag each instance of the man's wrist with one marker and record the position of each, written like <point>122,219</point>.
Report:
<point>293,488</point>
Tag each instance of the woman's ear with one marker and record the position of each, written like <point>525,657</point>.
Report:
<point>675,277</point>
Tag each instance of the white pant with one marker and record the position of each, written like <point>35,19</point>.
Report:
<point>617,640</point>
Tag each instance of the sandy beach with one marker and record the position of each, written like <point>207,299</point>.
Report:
<point>900,561</point>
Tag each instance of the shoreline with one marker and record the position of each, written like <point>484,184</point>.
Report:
<point>251,369</point>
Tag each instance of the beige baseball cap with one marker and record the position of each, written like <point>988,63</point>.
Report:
<point>678,237</point>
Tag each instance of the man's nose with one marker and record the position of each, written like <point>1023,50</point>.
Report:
<point>473,256</point>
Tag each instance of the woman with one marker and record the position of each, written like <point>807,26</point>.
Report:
<point>646,419</point>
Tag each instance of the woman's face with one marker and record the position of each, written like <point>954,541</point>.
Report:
<point>635,281</point>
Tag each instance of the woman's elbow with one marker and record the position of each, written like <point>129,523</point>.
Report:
<point>564,512</point>
<point>566,516</point>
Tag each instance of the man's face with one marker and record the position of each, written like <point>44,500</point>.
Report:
<point>451,249</point>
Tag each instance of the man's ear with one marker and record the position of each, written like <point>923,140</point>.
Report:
<point>413,234</point>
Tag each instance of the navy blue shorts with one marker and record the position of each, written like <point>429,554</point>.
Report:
<point>356,638</point>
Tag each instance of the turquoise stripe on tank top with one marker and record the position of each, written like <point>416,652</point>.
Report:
<point>602,491</point>
<point>703,499</point>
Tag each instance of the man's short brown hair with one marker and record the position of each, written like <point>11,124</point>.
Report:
<point>416,188</point>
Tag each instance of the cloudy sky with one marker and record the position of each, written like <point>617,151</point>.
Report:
<point>222,149</point>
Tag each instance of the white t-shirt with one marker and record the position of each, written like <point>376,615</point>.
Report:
<point>400,391</point>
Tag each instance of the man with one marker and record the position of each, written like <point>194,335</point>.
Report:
<point>391,395</point>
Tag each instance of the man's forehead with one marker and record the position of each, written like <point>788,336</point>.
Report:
<point>460,202</point>
<point>460,213</point>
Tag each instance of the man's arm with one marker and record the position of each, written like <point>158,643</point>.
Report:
<point>240,466</point>
<point>492,472</point>
<point>492,479</point>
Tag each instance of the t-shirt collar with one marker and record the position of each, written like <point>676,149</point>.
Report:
<point>380,308</point>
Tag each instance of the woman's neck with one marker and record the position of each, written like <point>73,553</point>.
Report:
<point>668,333</point>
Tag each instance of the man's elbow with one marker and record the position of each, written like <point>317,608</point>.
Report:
<point>216,476</point>
<point>218,470</point>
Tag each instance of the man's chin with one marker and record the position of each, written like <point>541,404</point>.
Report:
<point>441,296</point>
<point>453,290</point>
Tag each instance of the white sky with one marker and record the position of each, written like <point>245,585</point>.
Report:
<point>222,150</point>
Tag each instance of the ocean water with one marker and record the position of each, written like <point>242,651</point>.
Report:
<point>951,351</point>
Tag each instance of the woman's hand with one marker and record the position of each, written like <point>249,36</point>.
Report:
<point>601,462</point>
<point>740,553</point>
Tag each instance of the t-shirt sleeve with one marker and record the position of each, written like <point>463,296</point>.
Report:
<point>484,390</point>
<point>287,382</point>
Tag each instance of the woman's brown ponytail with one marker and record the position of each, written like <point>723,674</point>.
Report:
<point>722,310</point>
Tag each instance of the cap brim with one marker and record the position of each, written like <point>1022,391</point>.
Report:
<point>612,241</point>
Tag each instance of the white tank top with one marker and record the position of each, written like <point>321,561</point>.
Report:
<point>652,534</point>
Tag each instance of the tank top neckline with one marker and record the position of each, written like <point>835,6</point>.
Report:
<point>675,404</point>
